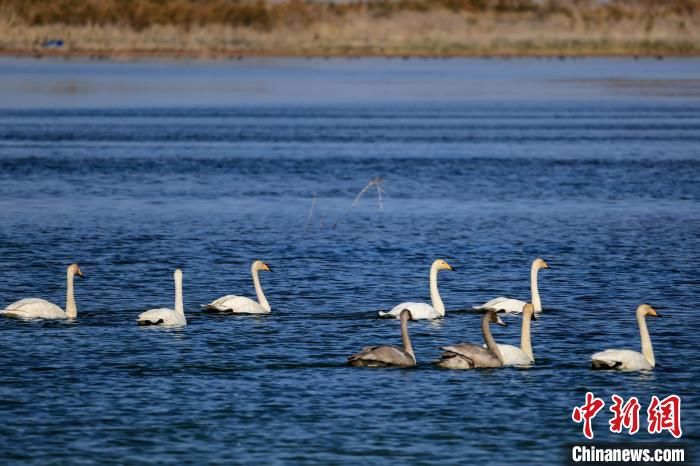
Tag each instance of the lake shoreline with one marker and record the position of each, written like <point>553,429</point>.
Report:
<point>217,55</point>
<point>221,30</point>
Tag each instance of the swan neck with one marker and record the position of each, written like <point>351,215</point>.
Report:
<point>258,290</point>
<point>534,290</point>
<point>488,338</point>
<point>525,343</point>
<point>71,309</point>
<point>407,347</point>
<point>179,307</point>
<point>434,293</point>
<point>647,349</point>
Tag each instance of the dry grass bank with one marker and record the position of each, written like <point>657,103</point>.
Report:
<point>221,28</point>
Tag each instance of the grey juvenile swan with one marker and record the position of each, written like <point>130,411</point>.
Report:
<point>387,356</point>
<point>470,356</point>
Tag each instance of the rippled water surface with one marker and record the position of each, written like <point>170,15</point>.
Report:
<point>132,170</point>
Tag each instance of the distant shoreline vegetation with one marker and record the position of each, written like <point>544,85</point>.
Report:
<point>230,28</point>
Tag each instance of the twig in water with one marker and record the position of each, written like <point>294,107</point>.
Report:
<point>311,212</point>
<point>374,182</point>
<point>377,182</point>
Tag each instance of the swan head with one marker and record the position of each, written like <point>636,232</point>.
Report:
<point>406,315</point>
<point>260,265</point>
<point>647,310</point>
<point>443,265</point>
<point>74,269</point>
<point>529,310</point>
<point>540,264</point>
<point>493,318</point>
<point>177,274</point>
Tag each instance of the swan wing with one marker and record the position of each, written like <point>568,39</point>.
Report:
<point>34,308</point>
<point>220,301</point>
<point>161,316</point>
<point>509,305</point>
<point>475,354</point>
<point>237,304</point>
<point>620,359</point>
<point>376,356</point>
<point>418,311</point>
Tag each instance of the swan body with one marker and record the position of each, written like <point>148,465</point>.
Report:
<point>507,305</point>
<point>167,317</point>
<point>515,306</point>
<point>423,310</point>
<point>628,360</point>
<point>241,304</point>
<point>514,356</point>
<point>35,308</point>
<point>387,356</point>
<point>620,359</point>
<point>520,356</point>
<point>469,355</point>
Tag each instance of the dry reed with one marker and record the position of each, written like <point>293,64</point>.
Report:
<point>215,28</point>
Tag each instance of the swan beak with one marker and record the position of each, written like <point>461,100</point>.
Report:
<point>449,267</point>
<point>267,268</point>
<point>500,322</point>
<point>546,266</point>
<point>80,274</point>
<point>534,317</point>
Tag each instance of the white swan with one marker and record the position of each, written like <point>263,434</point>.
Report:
<point>514,356</point>
<point>628,360</point>
<point>515,306</point>
<point>241,304</point>
<point>35,308</point>
<point>423,310</point>
<point>167,317</point>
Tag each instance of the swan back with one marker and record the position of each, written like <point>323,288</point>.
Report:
<point>468,356</point>
<point>418,311</point>
<point>162,316</point>
<point>381,356</point>
<point>620,359</point>
<point>236,305</point>
<point>34,308</point>
<point>507,305</point>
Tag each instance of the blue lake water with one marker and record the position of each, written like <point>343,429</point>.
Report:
<point>133,169</point>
